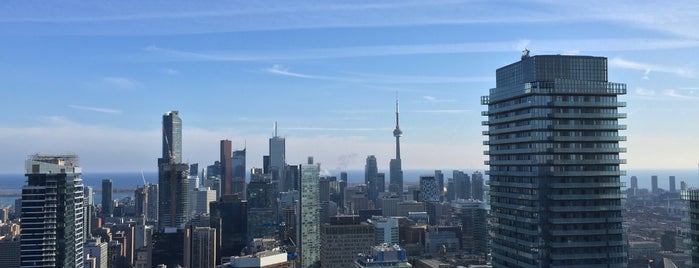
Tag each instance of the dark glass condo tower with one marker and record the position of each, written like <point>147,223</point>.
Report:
<point>553,137</point>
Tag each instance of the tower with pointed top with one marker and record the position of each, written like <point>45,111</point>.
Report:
<point>396,172</point>
<point>277,160</point>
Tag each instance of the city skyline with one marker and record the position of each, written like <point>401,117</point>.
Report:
<point>329,73</point>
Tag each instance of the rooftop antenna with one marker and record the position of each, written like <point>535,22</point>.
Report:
<point>275,128</point>
<point>525,53</point>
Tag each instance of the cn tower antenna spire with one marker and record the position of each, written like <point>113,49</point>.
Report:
<point>397,132</point>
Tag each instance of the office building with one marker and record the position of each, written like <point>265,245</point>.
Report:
<point>554,164</point>
<point>634,182</point>
<point>277,161</point>
<point>140,201</point>
<point>107,199</point>
<point>395,166</point>
<point>98,250</point>
<point>172,137</point>
<point>310,215</point>
<point>384,256</point>
<point>262,213</point>
<point>229,216</point>
<point>472,216</point>
<point>429,189</point>
<point>371,172</point>
<point>226,168</point>
<point>152,204</point>
<point>239,170</point>
<point>200,247</point>
<point>673,186</point>
<point>11,252</point>
<point>172,176</point>
<point>439,176</point>
<point>200,199</point>
<point>462,185</point>
<point>654,184</point>
<point>692,195</point>
<point>52,227</point>
<point>168,247</point>
<point>477,183</point>
<point>385,230</point>
<point>273,258</point>
<point>442,239</point>
<point>343,239</point>
<point>172,195</point>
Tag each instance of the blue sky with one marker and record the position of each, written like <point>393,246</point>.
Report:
<point>94,78</point>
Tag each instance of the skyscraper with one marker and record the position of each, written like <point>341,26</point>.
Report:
<point>172,175</point>
<point>107,199</point>
<point>428,189</point>
<point>462,185</point>
<point>692,195</point>
<point>371,171</point>
<point>152,204</point>
<point>554,164</point>
<point>439,176</point>
<point>277,160</point>
<point>52,228</point>
<point>396,172</point>
<point>172,137</point>
<point>654,184</point>
<point>229,216</point>
<point>673,185</point>
<point>343,239</point>
<point>310,215</point>
<point>226,169</point>
<point>634,182</point>
<point>477,182</point>
<point>239,172</point>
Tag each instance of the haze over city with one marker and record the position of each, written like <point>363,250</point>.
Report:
<point>95,78</point>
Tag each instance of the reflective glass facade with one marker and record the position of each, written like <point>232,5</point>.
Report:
<point>553,137</point>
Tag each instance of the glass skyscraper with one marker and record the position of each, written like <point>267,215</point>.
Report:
<point>310,215</point>
<point>553,137</point>
<point>172,175</point>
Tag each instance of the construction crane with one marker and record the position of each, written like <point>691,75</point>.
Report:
<point>144,178</point>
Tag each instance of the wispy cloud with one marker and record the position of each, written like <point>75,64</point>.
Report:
<point>443,111</point>
<point>540,46</point>
<point>120,82</point>
<point>432,99</point>
<point>676,94</point>
<point>169,71</point>
<point>678,17</point>
<point>645,92</point>
<point>284,71</point>
<point>335,129</point>
<point>364,78</point>
<point>647,68</point>
<point>95,109</point>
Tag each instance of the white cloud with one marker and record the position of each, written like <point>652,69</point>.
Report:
<point>647,68</point>
<point>645,92</point>
<point>432,99</point>
<point>443,111</point>
<point>378,79</point>
<point>169,71</point>
<point>678,95</point>
<point>95,109</point>
<point>284,71</point>
<point>120,82</point>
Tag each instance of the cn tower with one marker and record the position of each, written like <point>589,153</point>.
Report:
<point>396,173</point>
